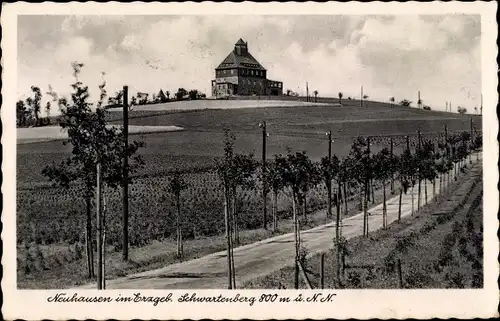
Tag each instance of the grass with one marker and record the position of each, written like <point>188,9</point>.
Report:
<point>52,217</point>
<point>436,251</point>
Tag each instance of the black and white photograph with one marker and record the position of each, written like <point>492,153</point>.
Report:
<point>321,152</point>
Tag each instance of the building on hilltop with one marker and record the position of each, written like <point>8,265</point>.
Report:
<point>241,74</point>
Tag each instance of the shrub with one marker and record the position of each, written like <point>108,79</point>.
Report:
<point>354,279</point>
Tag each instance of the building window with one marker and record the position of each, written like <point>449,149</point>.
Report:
<point>232,71</point>
<point>279,85</point>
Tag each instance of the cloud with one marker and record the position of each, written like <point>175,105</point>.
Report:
<point>388,55</point>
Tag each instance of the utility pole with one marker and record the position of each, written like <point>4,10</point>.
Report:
<point>361,98</point>
<point>419,180</point>
<point>307,91</point>
<point>419,101</point>
<point>125,175</point>
<point>367,191</point>
<point>392,175</point>
<point>471,140</point>
<point>264,172</point>
<point>329,212</point>
<point>99,226</point>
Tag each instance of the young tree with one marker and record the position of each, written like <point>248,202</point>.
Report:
<point>176,186</point>
<point>427,169</point>
<point>21,113</point>
<point>406,169</point>
<point>383,166</point>
<point>405,103</point>
<point>361,170</point>
<point>340,97</point>
<point>93,143</point>
<point>315,96</point>
<point>295,169</point>
<point>194,94</point>
<point>225,172</point>
<point>392,100</point>
<point>181,92</point>
<point>47,111</point>
<point>35,103</point>
<point>243,169</point>
<point>168,94</point>
<point>310,179</point>
<point>329,170</point>
<point>275,182</point>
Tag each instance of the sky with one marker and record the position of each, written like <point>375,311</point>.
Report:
<point>399,55</point>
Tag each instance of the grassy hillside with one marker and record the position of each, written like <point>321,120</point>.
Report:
<point>300,128</point>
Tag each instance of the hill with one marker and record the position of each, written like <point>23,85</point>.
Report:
<point>299,127</point>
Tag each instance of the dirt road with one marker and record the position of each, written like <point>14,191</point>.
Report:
<point>264,257</point>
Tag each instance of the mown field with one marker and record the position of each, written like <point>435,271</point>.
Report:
<point>52,217</point>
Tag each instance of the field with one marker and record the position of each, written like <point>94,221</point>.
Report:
<point>52,216</point>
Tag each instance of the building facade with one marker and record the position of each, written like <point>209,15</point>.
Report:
<point>241,74</point>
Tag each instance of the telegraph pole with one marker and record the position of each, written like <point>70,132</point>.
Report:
<point>125,175</point>
<point>264,172</point>
<point>361,98</point>
<point>471,140</point>
<point>99,226</point>
<point>329,212</point>
<point>392,175</point>
<point>419,101</point>
<point>419,180</point>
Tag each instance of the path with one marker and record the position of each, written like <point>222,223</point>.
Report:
<point>264,257</point>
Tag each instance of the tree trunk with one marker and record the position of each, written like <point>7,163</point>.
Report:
<point>425,192</point>
<point>304,209</point>
<point>434,188</point>
<point>88,238</point>
<point>228,239</point>
<point>104,241</point>
<point>178,225</point>
<point>373,191</point>
<point>99,228</point>
<point>296,236</point>
<point>419,193</point>
<point>235,220</point>
<point>412,201</point>
<point>275,210</point>
<point>384,208</point>
<point>400,199</point>
<point>329,190</point>
<point>337,234</point>
<point>344,185</point>
<point>365,207</point>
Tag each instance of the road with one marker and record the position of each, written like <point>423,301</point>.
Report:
<point>264,257</point>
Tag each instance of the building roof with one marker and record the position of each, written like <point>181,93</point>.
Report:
<point>245,60</point>
<point>241,42</point>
